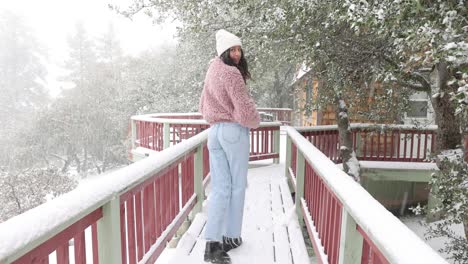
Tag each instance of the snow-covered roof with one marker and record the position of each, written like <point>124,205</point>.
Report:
<point>303,70</point>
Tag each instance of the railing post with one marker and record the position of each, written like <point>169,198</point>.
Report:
<point>288,162</point>
<point>166,135</point>
<point>198,179</point>
<point>276,144</point>
<point>350,241</point>
<point>109,239</point>
<point>300,173</point>
<point>134,134</point>
<point>358,143</point>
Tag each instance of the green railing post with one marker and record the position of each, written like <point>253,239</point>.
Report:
<point>108,232</point>
<point>198,179</point>
<point>166,135</point>
<point>350,241</point>
<point>300,173</point>
<point>276,144</point>
<point>288,162</point>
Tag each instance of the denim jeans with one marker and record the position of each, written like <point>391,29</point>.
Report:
<point>228,145</point>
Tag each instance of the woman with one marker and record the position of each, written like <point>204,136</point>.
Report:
<point>226,104</point>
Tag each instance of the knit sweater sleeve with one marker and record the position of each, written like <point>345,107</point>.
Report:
<point>245,112</point>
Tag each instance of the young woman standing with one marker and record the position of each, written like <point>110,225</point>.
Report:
<point>226,105</point>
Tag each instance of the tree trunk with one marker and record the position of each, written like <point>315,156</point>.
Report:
<point>465,225</point>
<point>448,132</point>
<point>282,89</point>
<point>105,161</point>
<point>97,167</point>
<point>350,162</point>
<point>85,162</point>
<point>66,164</point>
<point>465,145</point>
<point>68,160</point>
<point>17,200</point>
<point>465,149</point>
<point>78,163</point>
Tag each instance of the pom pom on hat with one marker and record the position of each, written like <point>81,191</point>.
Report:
<point>225,40</point>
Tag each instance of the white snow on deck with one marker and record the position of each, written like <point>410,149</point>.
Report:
<point>270,232</point>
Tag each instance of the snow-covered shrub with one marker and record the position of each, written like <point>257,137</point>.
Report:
<point>452,190</point>
<point>26,189</point>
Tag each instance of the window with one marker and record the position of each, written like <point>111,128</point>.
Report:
<point>417,109</point>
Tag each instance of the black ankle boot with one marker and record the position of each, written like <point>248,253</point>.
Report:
<point>231,243</point>
<point>214,253</point>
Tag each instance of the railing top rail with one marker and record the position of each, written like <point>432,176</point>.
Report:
<point>273,109</point>
<point>368,126</point>
<point>163,118</point>
<point>396,241</point>
<point>270,124</point>
<point>156,119</point>
<point>28,230</point>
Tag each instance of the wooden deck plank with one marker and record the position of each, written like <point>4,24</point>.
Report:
<point>297,244</point>
<point>281,239</point>
<point>267,215</point>
<point>256,229</point>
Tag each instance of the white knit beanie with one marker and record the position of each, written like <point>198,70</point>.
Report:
<point>225,40</point>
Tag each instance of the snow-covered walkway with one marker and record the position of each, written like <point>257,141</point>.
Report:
<point>271,231</point>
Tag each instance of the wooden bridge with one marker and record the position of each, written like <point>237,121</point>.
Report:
<point>129,215</point>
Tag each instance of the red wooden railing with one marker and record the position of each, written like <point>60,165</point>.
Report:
<point>150,134</point>
<point>376,143</point>
<point>206,161</point>
<point>325,210</point>
<point>262,143</point>
<point>283,115</point>
<point>180,132</point>
<point>149,208</point>
<point>148,213</point>
<point>326,141</point>
<point>370,252</point>
<point>60,243</point>
<point>293,159</point>
<point>328,200</point>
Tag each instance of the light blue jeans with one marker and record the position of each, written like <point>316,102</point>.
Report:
<point>228,144</point>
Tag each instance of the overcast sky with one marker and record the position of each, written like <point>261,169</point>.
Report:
<point>54,20</point>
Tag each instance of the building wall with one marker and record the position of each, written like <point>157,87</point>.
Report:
<point>307,89</point>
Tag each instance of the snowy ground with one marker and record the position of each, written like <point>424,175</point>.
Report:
<point>417,225</point>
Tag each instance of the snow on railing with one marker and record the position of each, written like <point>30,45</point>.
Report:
<point>376,142</point>
<point>133,212</point>
<point>159,131</point>
<point>345,223</point>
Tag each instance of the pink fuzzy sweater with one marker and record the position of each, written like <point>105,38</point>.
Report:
<point>225,97</point>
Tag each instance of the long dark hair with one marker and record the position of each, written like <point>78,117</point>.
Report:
<point>242,66</point>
